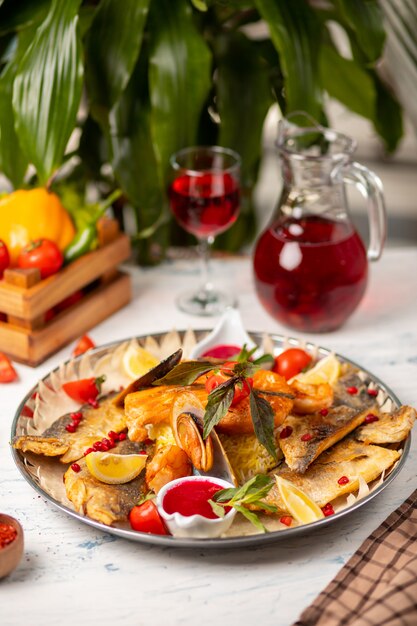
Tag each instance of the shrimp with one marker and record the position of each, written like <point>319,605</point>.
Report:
<point>169,462</point>
<point>311,398</point>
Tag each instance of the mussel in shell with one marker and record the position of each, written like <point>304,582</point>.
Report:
<point>207,455</point>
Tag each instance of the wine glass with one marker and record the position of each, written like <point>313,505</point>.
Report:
<point>205,198</point>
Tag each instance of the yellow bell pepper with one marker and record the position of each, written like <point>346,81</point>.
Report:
<point>28,215</point>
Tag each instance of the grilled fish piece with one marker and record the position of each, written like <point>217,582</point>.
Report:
<point>57,441</point>
<point>101,502</point>
<point>348,458</point>
<point>312,434</point>
<point>343,397</point>
<point>390,427</point>
<point>153,406</point>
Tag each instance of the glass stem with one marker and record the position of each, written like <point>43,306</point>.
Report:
<point>204,249</point>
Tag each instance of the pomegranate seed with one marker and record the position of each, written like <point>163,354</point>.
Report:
<point>88,451</point>
<point>306,437</point>
<point>76,416</point>
<point>112,435</point>
<point>96,446</point>
<point>122,436</point>
<point>93,402</point>
<point>285,432</point>
<point>75,468</point>
<point>106,441</point>
<point>286,519</point>
<point>121,388</point>
<point>343,480</point>
<point>371,418</point>
<point>328,510</point>
<point>373,392</point>
<point>143,452</point>
<point>352,390</point>
<point>148,442</point>
<point>324,412</point>
<point>105,447</point>
<point>71,428</point>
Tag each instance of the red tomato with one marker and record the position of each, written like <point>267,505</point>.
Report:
<point>7,372</point>
<point>291,362</point>
<point>83,390</point>
<point>242,389</point>
<point>146,519</point>
<point>83,344</point>
<point>4,258</point>
<point>43,254</point>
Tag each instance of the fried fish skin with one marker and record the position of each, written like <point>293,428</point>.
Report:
<point>347,458</point>
<point>313,434</point>
<point>57,441</point>
<point>102,502</point>
<point>390,428</point>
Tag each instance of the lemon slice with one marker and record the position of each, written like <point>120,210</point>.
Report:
<point>115,469</point>
<point>301,507</point>
<point>326,370</point>
<point>137,361</point>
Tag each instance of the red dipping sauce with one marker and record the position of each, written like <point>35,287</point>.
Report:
<point>190,497</point>
<point>223,351</point>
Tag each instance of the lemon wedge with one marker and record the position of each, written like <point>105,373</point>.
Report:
<point>137,361</point>
<point>115,469</point>
<point>326,370</point>
<point>301,507</point>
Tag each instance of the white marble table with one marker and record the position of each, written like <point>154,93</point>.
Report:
<point>73,573</point>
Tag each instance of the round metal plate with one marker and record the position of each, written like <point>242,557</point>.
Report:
<point>226,542</point>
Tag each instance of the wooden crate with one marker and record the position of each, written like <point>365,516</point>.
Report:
<point>29,332</point>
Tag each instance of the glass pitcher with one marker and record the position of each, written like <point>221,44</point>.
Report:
<point>310,264</point>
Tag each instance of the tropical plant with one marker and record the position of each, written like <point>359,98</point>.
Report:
<point>140,79</point>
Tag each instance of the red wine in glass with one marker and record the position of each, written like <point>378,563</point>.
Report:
<point>310,273</point>
<point>205,205</point>
<point>204,198</point>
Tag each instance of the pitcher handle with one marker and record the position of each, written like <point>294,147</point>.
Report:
<point>370,186</point>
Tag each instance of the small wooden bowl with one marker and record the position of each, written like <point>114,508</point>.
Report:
<point>10,555</point>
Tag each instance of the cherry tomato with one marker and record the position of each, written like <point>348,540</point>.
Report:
<point>7,372</point>
<point>4,258</point>
<point>83,390</point>
<point>83,344</point>
<point>146,519</point>
<point>291,362</point>
<point>43,254</point>
<point>72,299</point>
<point>242,389</point>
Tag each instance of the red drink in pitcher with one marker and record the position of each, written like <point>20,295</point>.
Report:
<point>310,273</point>
<point>205,205</point>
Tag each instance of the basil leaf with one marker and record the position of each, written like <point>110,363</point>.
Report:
<point>255,485</point>
<point>185,373</point>
<point>217,508</point>
<point>266,507</point>
<point>263,422</point>
<point>218,404</point>
<point>252,517</point>
<point>265,359</point>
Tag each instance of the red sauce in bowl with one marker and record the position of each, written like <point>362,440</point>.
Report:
<point>190,497</point>
<point>223,351</point>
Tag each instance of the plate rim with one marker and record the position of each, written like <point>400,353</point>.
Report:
<point>218,542</point>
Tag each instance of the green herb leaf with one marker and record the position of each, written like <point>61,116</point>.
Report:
<point>265,359</point>
<point>218,404</point>
<point>263,422</point>
<point>217,508</point>
<point>252,517</point>
<point>257,486</point>
<point>185,373</point>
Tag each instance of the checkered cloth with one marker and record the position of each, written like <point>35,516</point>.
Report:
<point>378,585</point>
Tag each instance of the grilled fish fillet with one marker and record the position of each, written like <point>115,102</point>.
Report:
<point>153,405</point>
<point>324,430</point>
<point>348,458</point>
<point>390,427</point>
<point>101,502</point>
<point>57,441</point>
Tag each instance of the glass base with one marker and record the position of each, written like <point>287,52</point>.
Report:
<point>205,303</point>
